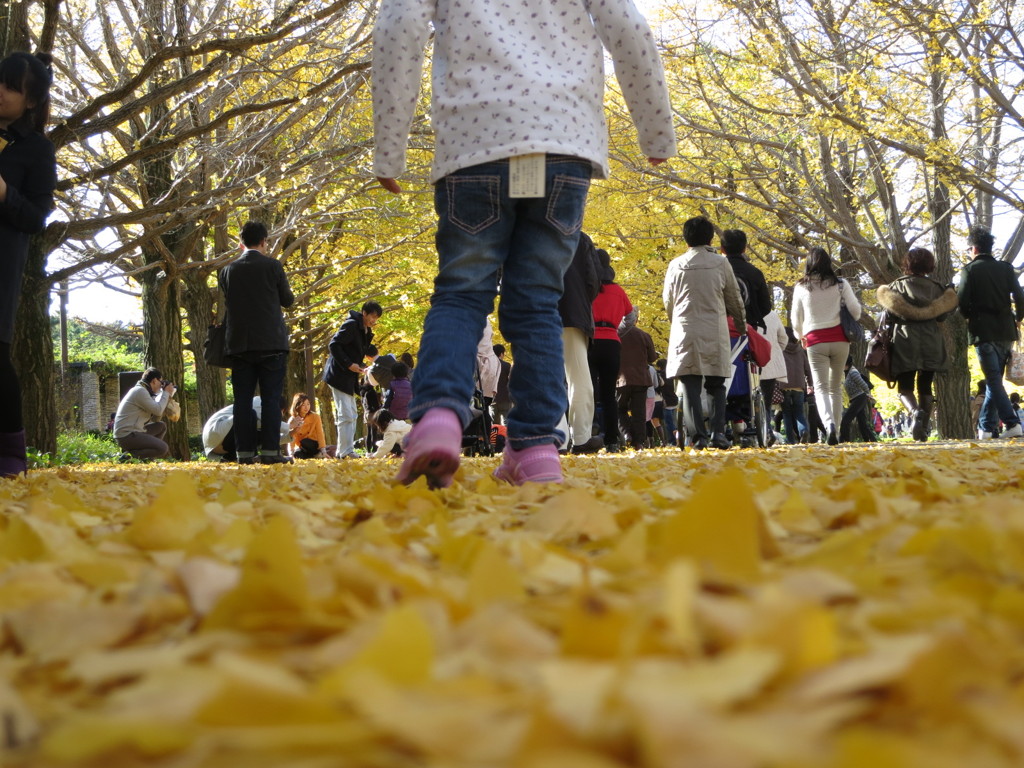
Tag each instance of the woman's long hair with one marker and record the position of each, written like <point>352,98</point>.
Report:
<point>818,269</point>
<point>299,398</point>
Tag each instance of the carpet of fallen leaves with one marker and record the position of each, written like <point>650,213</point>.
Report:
<point>858,607</point>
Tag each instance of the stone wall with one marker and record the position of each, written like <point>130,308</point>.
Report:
<point>86,399</point>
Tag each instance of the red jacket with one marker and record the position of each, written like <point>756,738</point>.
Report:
<point>610,306</point>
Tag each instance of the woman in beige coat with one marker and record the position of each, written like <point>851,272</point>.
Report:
<point>700,293</point>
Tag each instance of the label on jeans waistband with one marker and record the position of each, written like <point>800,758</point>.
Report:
<point>526,175</point>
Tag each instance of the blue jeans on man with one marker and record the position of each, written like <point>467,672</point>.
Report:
<point>794,416</point>
<point>993,357</point>
<point>267,369</point>
<point>484,235</point>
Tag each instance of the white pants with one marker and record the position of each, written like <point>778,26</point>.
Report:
<point>827,363</point>
<point>580,387</point>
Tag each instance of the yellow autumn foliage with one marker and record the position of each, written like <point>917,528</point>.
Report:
<point>800,607</point>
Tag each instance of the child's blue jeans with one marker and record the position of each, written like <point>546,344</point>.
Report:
<point>484,236</point>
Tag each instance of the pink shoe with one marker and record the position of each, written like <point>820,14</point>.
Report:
<point>536,464</point>
<point>433,448</point>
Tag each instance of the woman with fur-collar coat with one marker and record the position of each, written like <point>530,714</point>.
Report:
<point>917,304</point>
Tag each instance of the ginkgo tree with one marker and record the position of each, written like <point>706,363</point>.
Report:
<point>843,124</point>
<point>166,113</point>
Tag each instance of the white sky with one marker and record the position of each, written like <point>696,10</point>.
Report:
<point>101,305</point>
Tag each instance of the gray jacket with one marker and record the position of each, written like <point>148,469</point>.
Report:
<point>139,407</point>
<point>700,294</point>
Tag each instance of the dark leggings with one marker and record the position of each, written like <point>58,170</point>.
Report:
<point>905,382</point>
<point>10,393</point>
<point>604,356</point>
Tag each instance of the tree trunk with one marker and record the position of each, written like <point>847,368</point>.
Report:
<point>197,297</point>
<point>161,314</point>
<point>32,352</point>
<point>952,389</point>
<point>14,33</point>
<point>32,347</point>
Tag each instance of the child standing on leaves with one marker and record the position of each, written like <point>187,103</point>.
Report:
<point>517,106</point>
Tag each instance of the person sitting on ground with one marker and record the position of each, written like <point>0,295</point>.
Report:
<point>219,432</point>
<point>370,399</point>
<point>391,429</point>
<point>138,428</point>
<point>306,429</point>
<point>407,358</point>
<point>399,393</point>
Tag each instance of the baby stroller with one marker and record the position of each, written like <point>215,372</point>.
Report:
<point>744,400</point>
<point>476,437</point>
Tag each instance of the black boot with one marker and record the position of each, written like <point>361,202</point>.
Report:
<point>922,423</point>
<point>910,404</point>
<point>12,454</point>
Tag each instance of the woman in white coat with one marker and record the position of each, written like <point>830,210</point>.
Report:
<point>817,299</point>
<point>700,293</point>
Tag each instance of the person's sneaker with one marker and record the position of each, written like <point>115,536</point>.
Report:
<point>593,445</point>
<point>247,460</point>
<point>984,435</point>
<point>1015,431</point>
<point>720,441</point>
<point>433,449</point>
<point>833,438</point>
<point>536,464</point>
<point>276,459</point>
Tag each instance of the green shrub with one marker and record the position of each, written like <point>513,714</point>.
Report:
<point>77,448</point>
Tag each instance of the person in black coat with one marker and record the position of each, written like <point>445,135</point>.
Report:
<point>344,366</point>
<point>581,284</point>
<point>985,290</point>
<point>256,342</point>
<point>757,299</point>
<point>28,175</point>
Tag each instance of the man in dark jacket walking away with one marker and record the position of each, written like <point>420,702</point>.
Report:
<point>255,291</point>
<point>757,299</point>
<point>348,349</point>
<point>985,290</point>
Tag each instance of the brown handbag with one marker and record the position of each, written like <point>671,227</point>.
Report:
<point>878,360</point>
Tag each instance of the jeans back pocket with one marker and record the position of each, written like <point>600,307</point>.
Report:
<point>473,201</point>
<point>567,202</point>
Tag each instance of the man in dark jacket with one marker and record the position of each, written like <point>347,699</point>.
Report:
<point>757,299</point>
<point>256,341</point>
<point>581,284</point>
<point>348,348</point>
<point>985,290</point>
